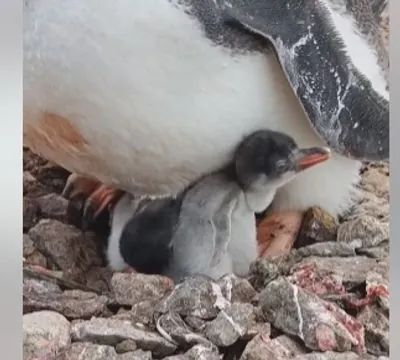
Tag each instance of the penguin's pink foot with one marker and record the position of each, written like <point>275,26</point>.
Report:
<point>98,197</point>
<point>277,233</point>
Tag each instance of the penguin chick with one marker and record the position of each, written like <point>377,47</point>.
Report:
<point>210,228</point>
<point>131,243</point>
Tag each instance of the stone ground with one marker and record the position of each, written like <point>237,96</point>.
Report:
<point>325,300</point>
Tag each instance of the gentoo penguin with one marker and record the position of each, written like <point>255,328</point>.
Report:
<point>210,228</point>
<point>149,96</point>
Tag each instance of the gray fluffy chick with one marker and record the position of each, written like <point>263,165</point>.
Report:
<point>210,228</point>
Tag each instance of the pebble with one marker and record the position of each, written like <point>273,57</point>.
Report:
<point>136,355</point>
<point>329,248</point>
<point>45,335</point>
<point>174,329</point>
<point>231,324</point>
<point>329,355</point>
<point>89,351</point>
<point>132,288</point>
<point>28,246</point>
<point>377,279</point>
<point>262,272</point>
<point>376,325</point>
<point>321,325</point>
<point>30,213</point>
<point>352,270</point>
<point>257,328</point>
<point>143,313</point>
<point>111,332</point>
<point>366,229</point>
<point>36,259</point>
<point>73,304</point>
<point>377,252</point>
<point>125,346</point>
<point>53,206</point>
<point>196,296</point>
<point>65,245</point>
<point>318,226</point>
<point>237,289</point>
<point>198,352</point>
<point>196,323</point>
<point>262,347</point>
<point>293,346</point>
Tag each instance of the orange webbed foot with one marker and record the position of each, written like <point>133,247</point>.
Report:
<point>277,233</point>
<point>97,196</point>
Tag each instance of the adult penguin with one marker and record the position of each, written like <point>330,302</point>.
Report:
<point>148,96</point>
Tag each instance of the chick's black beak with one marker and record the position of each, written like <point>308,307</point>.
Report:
<point>306,158</point>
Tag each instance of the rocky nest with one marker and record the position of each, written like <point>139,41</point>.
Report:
<point>325,300</point>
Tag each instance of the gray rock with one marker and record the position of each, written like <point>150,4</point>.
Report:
<point>39,287</point>
<point>197,296</point>
<point>317,280</point>
<point>132,288</point>
<point>257,328</point>
<point>196,323</point>
<point>263,271</point>
<point>377,252</point>
<point>125,346</point>
<point>36,259</point>
<point>317,226</point>
<point>378,284</point>
<point>198,352</point>
<point>142,313</point>
<point>365,229</point>
<point>351,270</point>
<point>31,187</point>
<point>45,335</point>
<point>99,277</point>
<point>329,355</point>
<point>262,347</point>
<point>330,248</point>
<point>111,332</point>
<point>293,346</point>
<point>321,325</point>
<point>30,213</point>
<point>231,324</point>
<point>237,289</point>
<point>173,328</point>
<point>89,351</point>
<point>53,206</point>
<point>65,245</point>
<point>136,355</point>
<point>28,245</point>
<point>376,326</point>
<point>122,314</point>
<point>73,304</point>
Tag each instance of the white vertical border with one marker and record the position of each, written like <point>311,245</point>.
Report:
<point>11,178</point>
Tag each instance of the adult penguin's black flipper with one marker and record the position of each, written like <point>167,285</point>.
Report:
<point>335,60</point>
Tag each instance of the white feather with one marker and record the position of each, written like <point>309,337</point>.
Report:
<point>159,104</point>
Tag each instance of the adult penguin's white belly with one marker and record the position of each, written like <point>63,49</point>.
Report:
<point>135,95</point>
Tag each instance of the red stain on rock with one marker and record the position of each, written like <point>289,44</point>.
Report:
<point>353,326</point>
<point>317,281</point>
<point>326,338</point>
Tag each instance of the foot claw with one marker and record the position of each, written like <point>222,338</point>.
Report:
<point>79,185</point>
<point>97,196</point>
<point>100,200</point>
